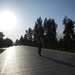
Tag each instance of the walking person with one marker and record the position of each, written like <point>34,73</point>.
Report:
<point>39,48</point>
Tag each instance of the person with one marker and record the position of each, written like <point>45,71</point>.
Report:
<point>39,48</point>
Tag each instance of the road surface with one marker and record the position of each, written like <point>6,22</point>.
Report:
<point>24,60</point>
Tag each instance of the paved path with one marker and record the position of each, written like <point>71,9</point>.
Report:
<point>24,60</point>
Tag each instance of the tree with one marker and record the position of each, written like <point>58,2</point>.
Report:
<point>1,35</point>
<point>45,33</point>
<point>50,31</point>
<point>22,40</point>
<point>29,33</point>
<point>8,42</point>
<point>1,39</point>
<point>69,35</point>
<point>17,42</point>
<point>69,28</point>
<point>38,30</point>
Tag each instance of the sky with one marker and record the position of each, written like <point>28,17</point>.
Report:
<point>27,12</point>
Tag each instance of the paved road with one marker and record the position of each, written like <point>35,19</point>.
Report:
<point>24,60</point>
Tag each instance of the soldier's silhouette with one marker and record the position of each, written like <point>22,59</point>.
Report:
<point>39,48</point>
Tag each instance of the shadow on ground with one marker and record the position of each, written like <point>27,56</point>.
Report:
<point>61,62</point>
<point>2,50</point>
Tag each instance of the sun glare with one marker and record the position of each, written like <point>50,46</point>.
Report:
<point>8,20</point>
<point>9,56</point>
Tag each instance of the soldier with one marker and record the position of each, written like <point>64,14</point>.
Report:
<point>39,48</point>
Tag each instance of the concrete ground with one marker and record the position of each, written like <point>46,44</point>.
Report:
<point>24,60</point>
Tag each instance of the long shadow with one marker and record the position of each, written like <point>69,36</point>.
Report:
<point>2,50</point>
<point>61,62</point>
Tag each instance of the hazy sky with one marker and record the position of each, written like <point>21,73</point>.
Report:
<point>27,11</point>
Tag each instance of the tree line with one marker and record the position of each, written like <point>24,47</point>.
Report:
<point>45,31</point>
<point>5,42</point>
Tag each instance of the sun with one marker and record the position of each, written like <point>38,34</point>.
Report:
<point>8,20</point>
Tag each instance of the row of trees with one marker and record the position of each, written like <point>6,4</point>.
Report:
<point>68,40</point>
<point>5,42</point>
<point>45,31</point>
